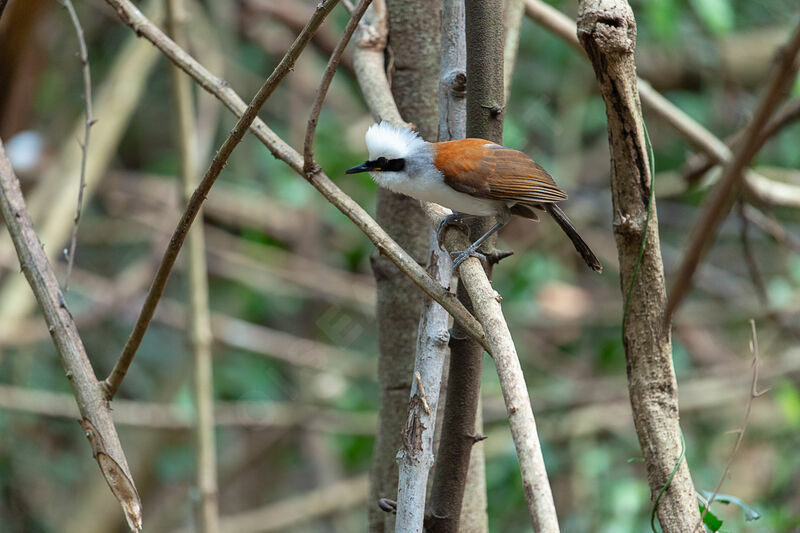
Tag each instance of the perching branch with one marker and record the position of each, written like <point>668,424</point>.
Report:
<point>216,86</point>
<point>94,409</point>
<point>199,327</point>
<point>114,380</point>
<point>718,206</point>
<point>87,97</point>
<point>512,381</point>
<point>607,31</point>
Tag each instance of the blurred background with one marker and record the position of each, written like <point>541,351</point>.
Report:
<point>291,290</point>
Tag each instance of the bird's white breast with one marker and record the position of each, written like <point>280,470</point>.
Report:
<point>428,185</point>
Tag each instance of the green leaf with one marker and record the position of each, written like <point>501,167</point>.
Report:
<point>636,460</point>
<point>663,17</point>
<point>717,15</point>
<point>750,514</point>
<point>788,398</point>
<point>710,519</point>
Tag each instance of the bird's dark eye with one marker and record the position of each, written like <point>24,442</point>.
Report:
<point>381,162</point>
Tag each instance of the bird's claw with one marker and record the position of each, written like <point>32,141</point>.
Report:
<point>460,257</point>
<point>454,219</point>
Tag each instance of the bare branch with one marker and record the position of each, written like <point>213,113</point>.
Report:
<point>368,61</point>
<point>199,327</point>
<point>607,31</point>
<point>512,381</point>
<point>293,15</point>
<point>114,380</point>
<point>309,165</point>
<point>719,204</point>
<point>87,98</point>
<point>88,392</point>
<point>698,165</point>
<point>415,458</point>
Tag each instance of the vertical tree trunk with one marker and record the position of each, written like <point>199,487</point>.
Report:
<point>414,50</point>
<point>484,109</point>
<point>607,31</point>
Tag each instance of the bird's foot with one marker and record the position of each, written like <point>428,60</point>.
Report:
<point>454,219</point>
<point>472,251</point>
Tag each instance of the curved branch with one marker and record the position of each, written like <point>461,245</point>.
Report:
<point>96,413</point>
<point>327,77</point>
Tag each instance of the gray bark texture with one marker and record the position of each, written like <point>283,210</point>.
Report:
<point>607,31</point>
<point>415,458</point>
<point>484,104</point>
<point>414,51</point>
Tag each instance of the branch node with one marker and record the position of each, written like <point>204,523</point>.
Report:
<point>476,438</point>
<point>386,505</point>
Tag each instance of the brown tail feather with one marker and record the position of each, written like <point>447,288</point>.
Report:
<point>580,245</point>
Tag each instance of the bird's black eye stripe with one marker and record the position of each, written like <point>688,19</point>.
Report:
<point>395,165</point>
<point>381,162</point>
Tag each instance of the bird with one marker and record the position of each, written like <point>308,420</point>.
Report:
<point>473,177</point>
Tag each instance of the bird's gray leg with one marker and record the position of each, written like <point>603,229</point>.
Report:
<point>460,257</point>
<point>453,219</point>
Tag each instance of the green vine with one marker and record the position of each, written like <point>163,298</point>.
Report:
<point>667,484</point>
<point>646,226</point>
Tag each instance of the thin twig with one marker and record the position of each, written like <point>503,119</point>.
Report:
<point>720,202</point>
<point>701,163</point>
<point>114,380</point>
<point>755,275</point>
<point>88,392</point>
<point>769,225</point>
<point>754,393</point>
<point>130,15</point>
<point>49,202</point>
<point>309,166</point>
<point>199,326</point>
<point>87,96</point>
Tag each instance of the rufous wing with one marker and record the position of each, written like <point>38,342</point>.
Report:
<point>480,168</point>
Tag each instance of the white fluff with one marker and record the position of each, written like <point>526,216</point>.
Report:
<point>389,141</point>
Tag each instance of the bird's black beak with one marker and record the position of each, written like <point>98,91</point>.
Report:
<point>363,167</point>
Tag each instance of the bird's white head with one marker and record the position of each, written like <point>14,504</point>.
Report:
<point>392,142</point>
<point>394,154</point>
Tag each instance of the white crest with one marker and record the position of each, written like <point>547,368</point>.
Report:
<point>389,141</point>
